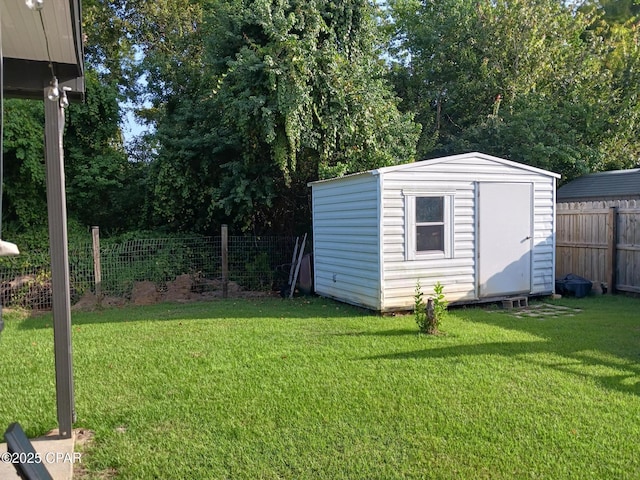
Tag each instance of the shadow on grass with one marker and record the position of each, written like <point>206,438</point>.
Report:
<point>627,381</point>
<point>397,332</point>
<point>261,308</point>
<point>601,343</point>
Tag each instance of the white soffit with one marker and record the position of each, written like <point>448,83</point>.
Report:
<point>23,37</point>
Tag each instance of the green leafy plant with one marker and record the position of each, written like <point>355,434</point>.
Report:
<point>258,273</point>
<point>439,303</point>
<point>429,315</point>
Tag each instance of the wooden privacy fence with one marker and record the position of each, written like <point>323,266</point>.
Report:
<point>600,241</point>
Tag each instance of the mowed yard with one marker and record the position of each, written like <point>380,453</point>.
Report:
<point>309,388</point>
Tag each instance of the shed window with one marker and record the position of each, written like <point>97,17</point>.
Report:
<point>429,225</point>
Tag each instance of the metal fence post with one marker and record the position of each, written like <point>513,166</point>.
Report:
<point>225,260</point>
<point>97,267</point>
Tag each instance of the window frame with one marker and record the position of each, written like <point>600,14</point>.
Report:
<point>411,225</point>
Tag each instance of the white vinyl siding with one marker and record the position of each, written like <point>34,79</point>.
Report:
<point>457,178</point>
<point>544,243</point>
<point>361,224</point>
<point>346,240</point>
<point>402,267</point>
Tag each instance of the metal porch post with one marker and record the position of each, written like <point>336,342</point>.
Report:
<point>57,212</point>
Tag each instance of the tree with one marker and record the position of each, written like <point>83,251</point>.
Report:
<point>619,29</point>
<point>613,11</point>
<point>103,187</point>
<point>24,182</point>
<point>290,92</point>
<point>98,174</point>
<point>146,48</point>
<point>525,80</point>
<point>101,182</point>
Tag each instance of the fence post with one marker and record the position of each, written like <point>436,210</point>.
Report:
<point>225,260</point>
<point>97,267</point>
<point>612,239</point>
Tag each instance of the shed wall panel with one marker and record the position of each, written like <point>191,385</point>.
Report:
<point>458,274</point>
<point>360,231</point>
<point>346,240</point>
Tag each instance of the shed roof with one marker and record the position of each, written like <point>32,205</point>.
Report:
<point>433,161</point>
<point>602,186</point>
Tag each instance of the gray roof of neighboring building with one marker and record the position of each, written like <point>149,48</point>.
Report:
<point>603,185</point>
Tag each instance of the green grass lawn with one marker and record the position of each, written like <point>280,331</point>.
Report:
<point>274,389</point>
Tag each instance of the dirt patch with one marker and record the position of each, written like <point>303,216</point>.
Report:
<point>27,290</point>
<point>89,303</point>
<point>185,288</point>
<point>145,293</point>
<point>83,444</point>
<point>180,289</point>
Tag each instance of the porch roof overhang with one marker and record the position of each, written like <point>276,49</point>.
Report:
<point>32,40</point>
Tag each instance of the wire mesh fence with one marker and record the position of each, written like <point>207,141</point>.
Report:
<point>254,264</point>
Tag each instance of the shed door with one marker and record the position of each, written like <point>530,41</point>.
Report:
<point>504,238</point>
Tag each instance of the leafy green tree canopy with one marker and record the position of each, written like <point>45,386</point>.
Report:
<point>290,92</point>
<point>535,81</point>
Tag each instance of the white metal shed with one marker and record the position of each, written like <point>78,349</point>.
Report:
<point>482,226</point>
